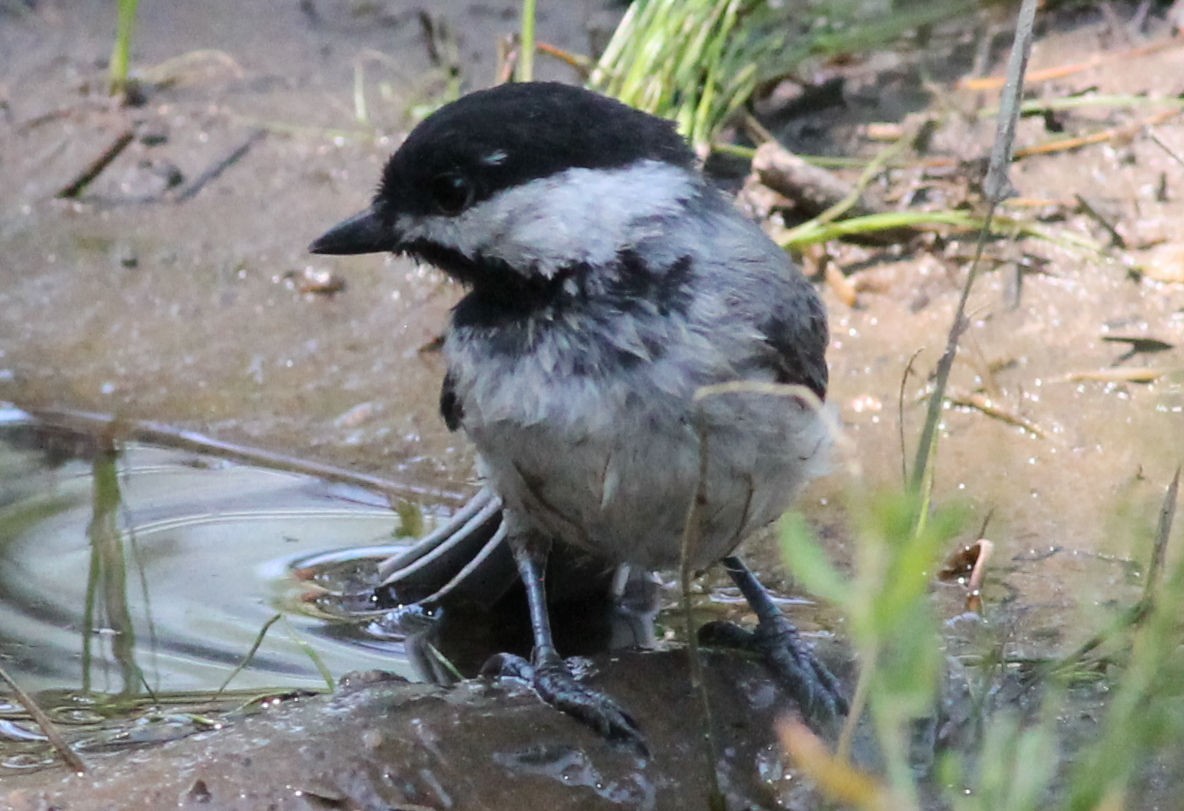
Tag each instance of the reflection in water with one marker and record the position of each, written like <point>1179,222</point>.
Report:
<point>139,569</point>
<point>107,578</point>
<point>135,580</point>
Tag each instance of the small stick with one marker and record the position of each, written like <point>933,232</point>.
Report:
<point>974,586</point>
<point>1166,513</point>
<point>1122,374</point>
<point>1061,71</point>
<point>221,166</point>
<point>904,379</point>
<point>1100,137</point>
<point>163,434</point>
<point>839,283</point>
<point>47,725</point>
<point>577,62</point>
<point>84,178</point>
<point>984,404</point>
<point>1086,206</point>
<point>814,188</point>
<point>1173,154</point>
<point>507,59</point>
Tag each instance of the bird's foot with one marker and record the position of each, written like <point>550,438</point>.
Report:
<point>809,682</point>
<point>554,683</point>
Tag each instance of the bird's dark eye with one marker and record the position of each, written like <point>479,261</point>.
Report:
<point>451,193</point>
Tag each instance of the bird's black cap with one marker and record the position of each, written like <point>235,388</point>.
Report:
<point>496,139</point>
<point>536,129</point>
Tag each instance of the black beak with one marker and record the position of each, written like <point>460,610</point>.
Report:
<point>365,232</point>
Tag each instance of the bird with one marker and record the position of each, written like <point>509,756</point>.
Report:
<point>639,366</point>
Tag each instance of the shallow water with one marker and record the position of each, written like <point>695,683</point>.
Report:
<point>144,571</point>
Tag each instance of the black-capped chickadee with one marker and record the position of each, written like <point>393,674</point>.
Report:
<point>608,283</point>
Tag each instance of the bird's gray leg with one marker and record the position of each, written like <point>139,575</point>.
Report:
<point>547,672</point>
<point>810,683</point>
<point>635,596</point>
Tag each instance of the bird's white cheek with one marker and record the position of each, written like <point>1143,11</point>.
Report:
<point>581,216</point>
<point>446,232</point>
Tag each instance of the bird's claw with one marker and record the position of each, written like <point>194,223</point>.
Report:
<point>809,682</point>
<point>555,685</point>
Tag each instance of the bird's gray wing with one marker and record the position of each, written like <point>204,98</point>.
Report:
<point>796,333</point>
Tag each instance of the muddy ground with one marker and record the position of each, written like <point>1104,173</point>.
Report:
<point>172,293</point>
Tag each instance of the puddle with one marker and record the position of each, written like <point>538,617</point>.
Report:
<point>147,572</point>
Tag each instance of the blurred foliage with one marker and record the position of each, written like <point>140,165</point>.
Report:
<point>1008,757</point>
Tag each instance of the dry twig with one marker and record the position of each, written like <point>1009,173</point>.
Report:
<point>95,168</point>
<point>45,723</point>
<point>1061,71</point>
